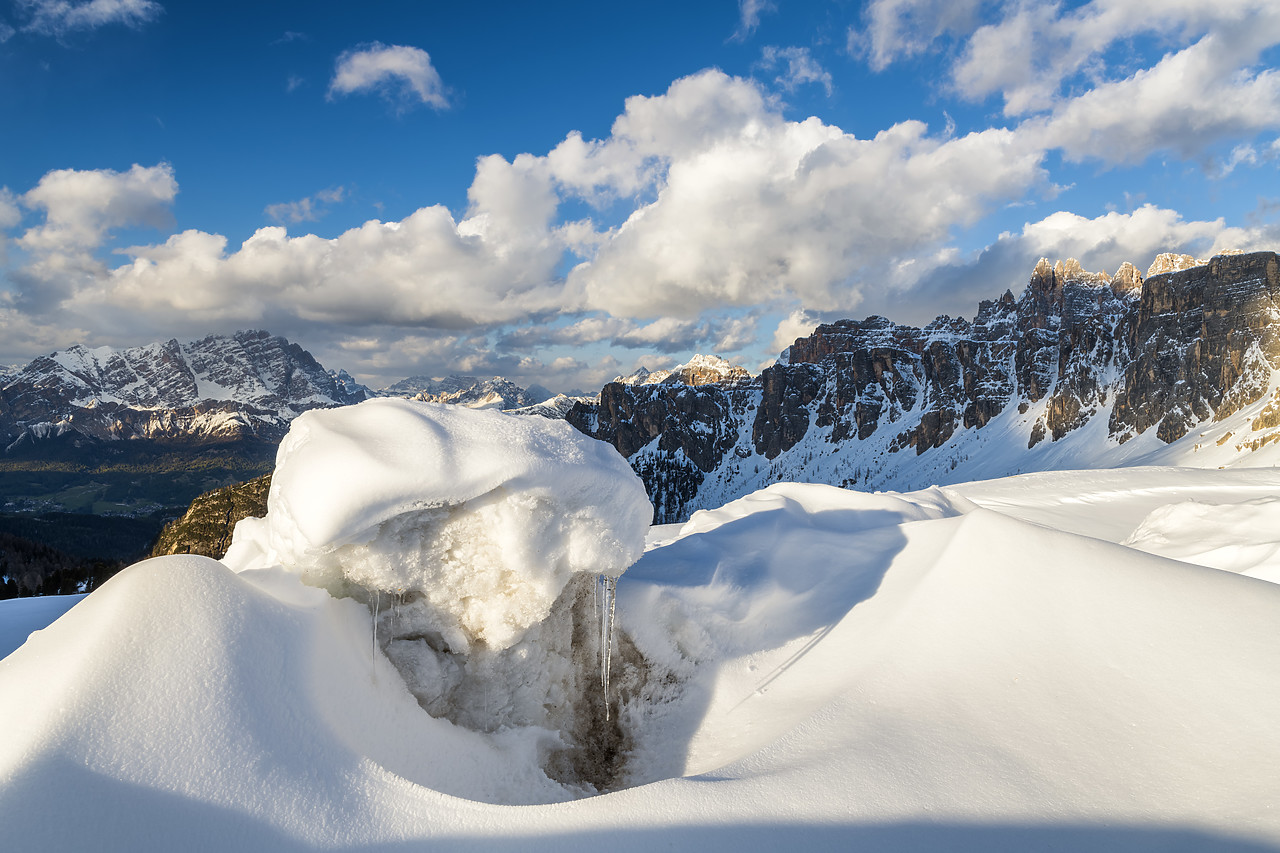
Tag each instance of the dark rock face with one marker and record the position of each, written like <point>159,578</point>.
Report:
<point>1177,349</point>
<point>218,388</point>
<point>698,424</point>
<point>952,373</point>
<point>693,429</point>
<point>207,525</point>
<point>1204,341</point>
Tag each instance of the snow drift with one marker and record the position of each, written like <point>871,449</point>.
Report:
<point>977,668</point>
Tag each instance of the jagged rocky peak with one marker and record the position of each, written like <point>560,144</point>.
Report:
<point>699,370</point>
<point>643,376</point>
<point>1127,280</point>
<point>874,403</point>
<point>708,369</point>
<point>1167,262</point>
<point>348,384</point>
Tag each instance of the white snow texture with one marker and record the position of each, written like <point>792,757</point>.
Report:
<point>481,516</point>
<point>981,667</point>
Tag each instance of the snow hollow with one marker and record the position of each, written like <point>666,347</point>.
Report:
<point>416,638</point>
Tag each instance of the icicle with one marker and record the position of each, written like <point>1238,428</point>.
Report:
<point>606,599</point>
<point>377,600</point>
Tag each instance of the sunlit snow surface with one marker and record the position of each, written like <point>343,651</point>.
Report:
<point>983,667</point>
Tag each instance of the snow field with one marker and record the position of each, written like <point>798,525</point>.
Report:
<point>978,667</point>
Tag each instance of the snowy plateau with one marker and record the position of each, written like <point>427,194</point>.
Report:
<point>456,630</point>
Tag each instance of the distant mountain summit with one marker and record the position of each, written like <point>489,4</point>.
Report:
<point>469,391</point>
<point>217,388</point>
<point>699,370</point>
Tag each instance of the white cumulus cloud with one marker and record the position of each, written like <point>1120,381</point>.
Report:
<point>395,71</point>
<point>82,206</point>
<point>751,207</point>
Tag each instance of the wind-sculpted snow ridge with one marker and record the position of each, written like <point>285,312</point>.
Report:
<point>979,668</point>
<point>1081,370</point>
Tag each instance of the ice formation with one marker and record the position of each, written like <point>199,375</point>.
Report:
<point>475,538</point>
<point>475,521</point>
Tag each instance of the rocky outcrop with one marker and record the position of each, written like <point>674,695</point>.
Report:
<point>206,527</point>
<point>690,427</point>
<point>1192,342</point>
<point>707,370</point>
<point>861,376</point>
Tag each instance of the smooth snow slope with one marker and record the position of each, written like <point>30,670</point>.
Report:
<point>20,616</point>
<point>885,672</point>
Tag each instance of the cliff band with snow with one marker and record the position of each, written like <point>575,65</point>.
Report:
<point>1082,370</point>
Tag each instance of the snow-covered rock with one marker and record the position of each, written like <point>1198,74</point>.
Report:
<point>480,517</point>
<point>708,369</point>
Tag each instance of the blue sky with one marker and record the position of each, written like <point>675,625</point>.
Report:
<point>559,192</point>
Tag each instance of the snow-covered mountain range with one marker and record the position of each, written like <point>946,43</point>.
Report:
<point>1081,370</point>
<point>699,370</point>
<point>1181,366</point>
<point>218,388</point>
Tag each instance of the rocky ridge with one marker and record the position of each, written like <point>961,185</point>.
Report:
<point>877,404</point>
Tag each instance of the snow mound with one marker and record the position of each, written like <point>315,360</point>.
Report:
<point>478,517</point>
<point>1239,537</point>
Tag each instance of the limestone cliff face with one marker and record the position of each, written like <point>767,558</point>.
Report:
<point>691,429</point>
<point>1204,341</point>
<point>1193,342</point>
<point>1057,340</point>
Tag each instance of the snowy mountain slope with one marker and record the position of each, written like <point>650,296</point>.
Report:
<point>1082,370</point>
<point>216,387</point>
<point>823,667</point>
